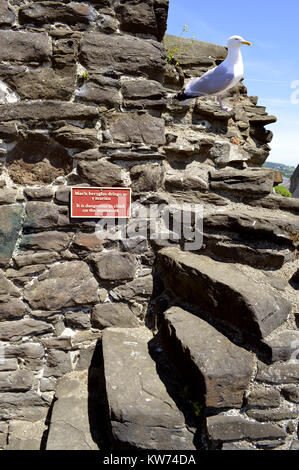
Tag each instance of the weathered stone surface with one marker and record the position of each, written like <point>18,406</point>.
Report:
<point>7,288</point>
<point>70,421</point>
<point>41,215</point>
<point>24,435</point>
<point>75,137</point>
<point>29,258</point>
<point>8,364</point>
<point>113,314</point>
<point>101,94</point>
<point>24,46</point>
<point>222,290</point>
<point>46,84</point>
<point>142,89</point>
<point>58,363</point>
<point>219,373</point>
<point>101,173</point>
<point>77,320</point>
<point>87,242</point>
<point>9,196</point>
<point>284,346</point>
<point>26,406</point>
<point>52,241</point>
<point>38,192</point>
<point>26,351</point>
<point>264,398</point>
<point>280,414</point>
<point>291,393</point>
<point>65,285</point>
<point>275,201</point>
<point>11,309</point>
<point>143,415</point>
<point>141,128</point>
<point>139,289</point>
<point>192,176</point>
<point>25,274</point>
<point>16,381</point>
<point>114,266</point>
<point>234,428</point>
<point>40,13</point>
<point>33,162</point>
<point>147,177</point>
<point>143,17</point>
<point>122,55</point>
<point>251,181</point>
<point>278,373</point>
<point>50,111</point>
<point>11,223</point>
<point>7,16</point>
<point>15,330</point>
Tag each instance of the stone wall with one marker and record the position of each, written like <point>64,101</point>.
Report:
<point>85,98</point>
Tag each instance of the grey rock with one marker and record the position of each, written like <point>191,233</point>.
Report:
<point>234,428</point>
<point>77,320</point>
<point>264,398</point>
<point>139,128</point>
<point>278,373</point>
<point>279,414</point>
<point>52,241</point>
<point>8,364</point>
<point>122,55</point>
<point>58,363</point>
<point>38,192</point>
<point>24,46</point>
<point>147,177</point>
<point>101,173</point>
<point>70,420</point>
<point>217,369</point>
<point>24,435</point>
<point>274,201</point>
<point>139,289</point>
<point>222,291</point>
<point>295,445</point>
<point>101,94</point>
<point>284,346</point>
<point>41,215</point>
<point>250,181</point>
<point>40,13</point>
<point>113,314</point>
<point>59,288</point>
<point>11,309</point>
<point>143,415</point>
<point>87,242</point>
<point>29,257</point>
<point>76,138</point>
<point>7,16</point>
<point>17,329</point>
<point>16,381</point>
<point>291,393</point>
<point>114,266</point>
<point>11,223</point>
<point>26,406</point>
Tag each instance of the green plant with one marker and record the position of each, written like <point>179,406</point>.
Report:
<point>85,75</point>
<point>283,191</point>
<point>174,51</point>
<point>197,407</point>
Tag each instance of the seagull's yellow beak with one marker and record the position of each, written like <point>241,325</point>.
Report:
<point>247,43</point>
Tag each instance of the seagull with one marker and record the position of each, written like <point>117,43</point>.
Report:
<point>219,79</point>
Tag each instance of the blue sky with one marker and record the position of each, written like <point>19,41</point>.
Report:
<point>271,66</point>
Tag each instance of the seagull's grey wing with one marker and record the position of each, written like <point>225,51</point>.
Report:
<point>211,83</point>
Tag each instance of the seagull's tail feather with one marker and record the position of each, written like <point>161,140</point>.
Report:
<point>182,96</point>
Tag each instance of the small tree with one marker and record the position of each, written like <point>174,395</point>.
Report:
<point>283,191</point>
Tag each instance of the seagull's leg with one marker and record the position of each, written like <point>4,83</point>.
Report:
<point>223,108</point>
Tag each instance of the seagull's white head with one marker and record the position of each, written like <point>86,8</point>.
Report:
<point>237,41</point>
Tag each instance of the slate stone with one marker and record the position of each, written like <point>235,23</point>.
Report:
<point>284,346</point>
<point>278,373</point>
<point>138,16</point>
<point>7,288</point>
<point>139,289</point>
<point>52,241</point>
<point>24,46</point>
<point>142,128</point>
<point>101,173</point>
<point>65,285</point>
<point>87,242</point>
<point>223,291</point>
<point>38,192</point>
<point>24,435</point>
<point>291,393</point>
<point>75,137</point>
<point>77,320</point>
<point>29,258</point>
<point>45,84</point>
<point>113,314</point>
<point>58,363</point>
<point>148,177</point>
<point>11,223</point>
<point>217,370</point>
<point>70,420</point>
<point>92,92</point>
<point>16,381</point>
<point>264,398</point>
<point>142,414</point>
<point>7,16</point>
<point>250,181</point>
<point>273,415</point>
<point>51,110</point>
<point>11,309</point>
<point>234,428</point>
<point>42,215</point>
<point>26,406</point>
<point>40,13</point>
<point>17,329</point>
<point>122,55</point>
<point>114,266</point>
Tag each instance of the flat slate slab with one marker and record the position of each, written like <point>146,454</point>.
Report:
<point>223,291</point>
<point>142,414</point>
<point>218,370</point>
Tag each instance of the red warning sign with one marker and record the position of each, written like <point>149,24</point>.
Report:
<point>101,203</point>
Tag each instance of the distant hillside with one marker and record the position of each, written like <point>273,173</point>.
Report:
<point>286,170</point>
